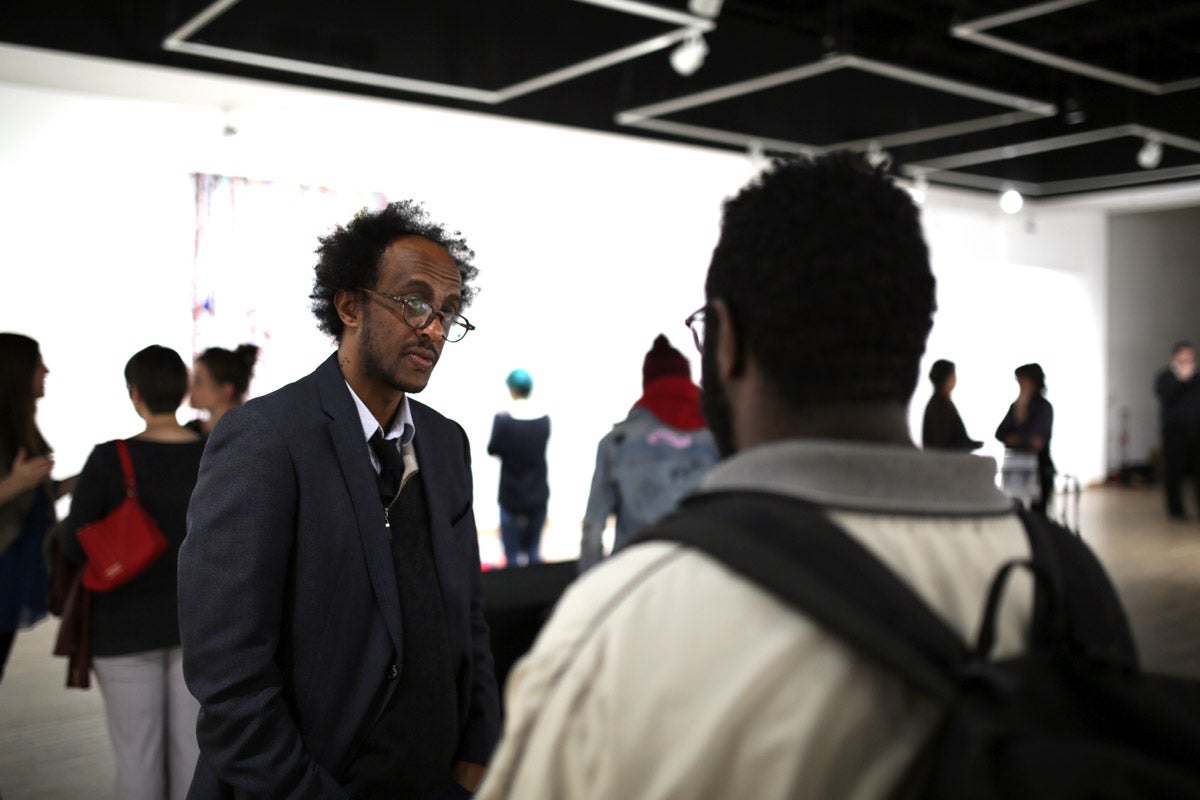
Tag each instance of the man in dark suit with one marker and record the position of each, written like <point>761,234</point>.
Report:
<point>1178,391</point>
<point>329,586</point>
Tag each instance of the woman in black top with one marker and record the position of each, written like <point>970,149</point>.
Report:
<point>943,428</point>
<point>1028,425</point>
<point>134,628</point>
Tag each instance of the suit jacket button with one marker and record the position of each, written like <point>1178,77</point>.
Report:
<point>393,672</point>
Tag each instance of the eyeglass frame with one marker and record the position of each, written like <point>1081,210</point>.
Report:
<point>697,316</point>
<point>440,316</point>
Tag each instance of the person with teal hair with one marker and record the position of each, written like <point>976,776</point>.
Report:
<point>519,437</point>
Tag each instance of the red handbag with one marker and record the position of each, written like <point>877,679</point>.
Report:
<point>123,544</point>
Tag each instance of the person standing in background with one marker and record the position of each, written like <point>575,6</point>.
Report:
<point>27,493</point>
<point>1028,425</point>
<point>943,428</point>
<point>650,460</point>
<point>1178,392</point>
<point>519,437</point>
<point>134,628</point>
<point>220,380</point>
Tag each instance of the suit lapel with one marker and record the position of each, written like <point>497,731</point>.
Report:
<point>431,459</point>
<point>346,433</point>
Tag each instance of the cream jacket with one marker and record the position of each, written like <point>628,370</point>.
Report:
<point>662,674</point>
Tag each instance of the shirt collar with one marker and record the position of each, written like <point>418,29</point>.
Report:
<point>402,427</point>
<point>875,478</point>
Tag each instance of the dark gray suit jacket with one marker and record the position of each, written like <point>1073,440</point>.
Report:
<point>288,603</point>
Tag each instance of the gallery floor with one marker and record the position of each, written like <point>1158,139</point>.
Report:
<point>54,746</point>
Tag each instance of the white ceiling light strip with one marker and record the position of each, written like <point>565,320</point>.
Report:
<point>1025,108</point>
<point>973,31</point>
<point>178,42</point>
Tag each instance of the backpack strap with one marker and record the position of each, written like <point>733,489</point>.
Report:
<point>794,551</point>
<point>1085,608</point>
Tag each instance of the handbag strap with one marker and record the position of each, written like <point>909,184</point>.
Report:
<point>127,468</point>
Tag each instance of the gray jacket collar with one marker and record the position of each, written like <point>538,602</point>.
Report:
<point>871,478</point>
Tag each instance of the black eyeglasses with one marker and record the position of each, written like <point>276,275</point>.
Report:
<point>695,324</point>
<point>419,315</point>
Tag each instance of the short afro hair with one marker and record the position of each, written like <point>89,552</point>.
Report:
<point>348,258</point>
<point>826,273</point>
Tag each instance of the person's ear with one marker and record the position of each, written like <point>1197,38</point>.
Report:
<point>730,362</point>
<point>349,307</point>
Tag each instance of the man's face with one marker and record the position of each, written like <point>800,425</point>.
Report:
<point>392,352</point>
<point>1185,361</point>
<point>713,400</point>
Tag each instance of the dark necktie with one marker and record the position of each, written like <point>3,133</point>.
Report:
<point>391,465</point>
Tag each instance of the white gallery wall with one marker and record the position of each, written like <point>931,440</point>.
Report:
<point>588,245</point>
<point>1154,269</point>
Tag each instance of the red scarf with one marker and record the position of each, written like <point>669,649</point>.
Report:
<point>675,400</point>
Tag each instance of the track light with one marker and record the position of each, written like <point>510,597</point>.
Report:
<point>1073,113</point>
<point>689,55</point>
<point>919,187</point>
<point>1150,156</point>
<point>877,157</point>
<point>757,155</point>
<point>705,8</point>
<point>1011,201</point>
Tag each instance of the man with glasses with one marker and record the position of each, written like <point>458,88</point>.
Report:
<point>665,674</point>
<point>329,586</point>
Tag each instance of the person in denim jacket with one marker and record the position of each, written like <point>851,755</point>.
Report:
<point>652,458</point>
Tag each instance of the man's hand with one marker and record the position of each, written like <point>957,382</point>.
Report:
<point>468,775</point>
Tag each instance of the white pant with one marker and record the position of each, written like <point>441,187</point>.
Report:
<point>151,722</point>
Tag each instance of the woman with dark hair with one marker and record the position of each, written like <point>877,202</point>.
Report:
<point>220,380</point>
<point>135,627</point>
<point>1027,426</point>
<point>943,428</point>
<point>27,493</point>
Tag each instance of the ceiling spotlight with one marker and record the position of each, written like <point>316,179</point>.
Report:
<point>919,187</point>
<point>877,157</point>
<point>1073,113</point>
<point>1150,156</point>
<point>757,155</point>
<point>689,56</point>
<point>705,8</point>
<point>1011,201</point>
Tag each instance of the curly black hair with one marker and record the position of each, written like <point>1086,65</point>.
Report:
<point>825,270</point>
<point>349,257</point>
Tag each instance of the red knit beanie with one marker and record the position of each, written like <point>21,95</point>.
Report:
<point>664,361</point>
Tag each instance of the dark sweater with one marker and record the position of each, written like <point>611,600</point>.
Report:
<point>521,446</point>
<point>142,615</point>
<point>943,428</point>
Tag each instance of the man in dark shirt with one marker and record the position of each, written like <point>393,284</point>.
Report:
<point>943,428</point>
<point>1178,392</point>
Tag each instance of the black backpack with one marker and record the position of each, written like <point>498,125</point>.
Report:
<point>1073,717</point>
